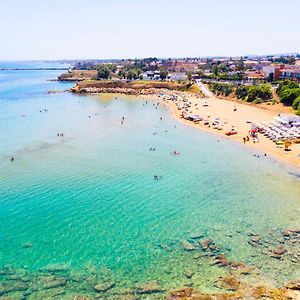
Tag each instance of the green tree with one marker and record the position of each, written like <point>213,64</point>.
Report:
<point>296,103</point>
<point>215,70</point>
<point>132,74</point>
<point>103,71</point>
<point>287,96</point>
<point>163,74</point>
<point>112,67</point>
<point>189,76</point>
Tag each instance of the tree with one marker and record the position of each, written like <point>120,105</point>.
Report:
<point>163,74</point>
<point>296,103</point>
<point>240,66</point>
<point>122,74</point>
<point>112,67</point>
<point>215,70</point>
<point>103,72</point>
<point>241,91</point>
<point>132,74</point>
<point>189,76</point>
<point>271,77</point>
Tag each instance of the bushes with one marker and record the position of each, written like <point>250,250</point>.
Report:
<point>241,91</point>
<point>296,105</point>
<point>256,94</point>
<point>221,88</point>
<point>289,93</point>
<point>262,92</point>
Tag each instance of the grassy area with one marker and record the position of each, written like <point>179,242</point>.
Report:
<point>82,74</point>
<point>140,84</point>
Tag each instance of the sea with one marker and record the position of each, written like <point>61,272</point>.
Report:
<point>80,204</point>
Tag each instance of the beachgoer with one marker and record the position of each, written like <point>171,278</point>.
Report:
<point>12,159</point>
<point>244,140</point>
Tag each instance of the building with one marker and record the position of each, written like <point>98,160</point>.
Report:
<point>290,73</point>
<point>275,69</point>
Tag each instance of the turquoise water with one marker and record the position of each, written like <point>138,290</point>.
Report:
<point>89,200</point>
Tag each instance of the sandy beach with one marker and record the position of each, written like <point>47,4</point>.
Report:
<point>239,119</point>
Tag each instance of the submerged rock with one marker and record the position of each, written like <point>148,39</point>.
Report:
<point>27,245</point>
<point>80,297</point>
<point>230,282</point>
<point>245,270</point>
<point>188,273</point>
<point>208,245</point>
<point>54,283</point>
<point>187,245</point>
<point>6,271</point>
<point>187,293</point>
<point>104,286</point>
<point>165,247</point>
<point>222,260</point>
<point>54,293</point>
<point>54,268</point>
<point>255,240</point>
<point>279,250</point>
<point>293,285</point>
<point>8,287</point>
<point>196,235</point>
<point>148,287</point>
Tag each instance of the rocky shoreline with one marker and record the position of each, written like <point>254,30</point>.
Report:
<point>238,280</point>
<point>115,90</point>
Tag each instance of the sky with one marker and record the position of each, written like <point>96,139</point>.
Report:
<point>102,29</point>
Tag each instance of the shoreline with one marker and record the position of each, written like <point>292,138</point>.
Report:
<point>277,158</point>
<point>223,108</point>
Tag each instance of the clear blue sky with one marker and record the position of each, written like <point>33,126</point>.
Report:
<point>69,29</point>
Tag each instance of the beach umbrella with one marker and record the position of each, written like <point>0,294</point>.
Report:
<point>287,144</point>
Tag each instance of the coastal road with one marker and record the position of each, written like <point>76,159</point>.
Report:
<point>205,90</point>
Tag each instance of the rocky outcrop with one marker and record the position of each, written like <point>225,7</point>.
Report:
<point>113,90</point>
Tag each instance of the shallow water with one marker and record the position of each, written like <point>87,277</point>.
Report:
<point>89,200</point>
